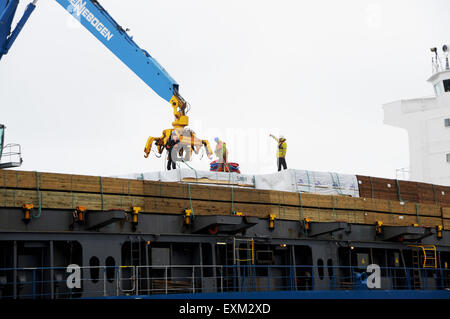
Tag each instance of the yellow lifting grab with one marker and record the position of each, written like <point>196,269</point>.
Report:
<point>189,142</point>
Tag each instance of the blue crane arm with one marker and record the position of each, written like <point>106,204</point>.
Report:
<point>7,11</point>
<point>97,20</point>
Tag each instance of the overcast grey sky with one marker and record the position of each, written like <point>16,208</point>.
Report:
<point>317,72</point>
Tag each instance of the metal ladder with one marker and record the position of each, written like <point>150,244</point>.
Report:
<point>429,255</point>
<point>249,252</point>
<point>244,257</point>
<point>229,272</point>
<point>416,277</point>
<point>429,261</point>
<point>135,253</point>
<point>128,273</point>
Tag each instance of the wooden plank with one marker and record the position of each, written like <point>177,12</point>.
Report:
<point>214,182</point>
<point>66,200</point>
<point>94,184</point>
<point>443,195</point>
<point>409,191</point>
<point>75,183</point>
<point>446,212</point>
<point>446,224</point>
<point>184,191</point>
<point>172,197</point>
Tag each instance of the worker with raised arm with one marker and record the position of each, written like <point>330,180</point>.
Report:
<point>281,152</point>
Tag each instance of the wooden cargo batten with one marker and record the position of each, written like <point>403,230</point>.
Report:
<point>64,191</point>
<point>399,190</point>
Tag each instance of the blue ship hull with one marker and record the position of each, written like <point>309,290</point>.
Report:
<point>314,294</point>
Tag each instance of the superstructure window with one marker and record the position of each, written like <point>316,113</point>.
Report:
<point>320,268</point>
<point>94,268</point>
<point>448,158</point>
<point>447,122</point>
<point>447,85</point>
<point>438,89</point>
<point>110,264</point>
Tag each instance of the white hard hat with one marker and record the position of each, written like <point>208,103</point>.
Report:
<point>282,137</point>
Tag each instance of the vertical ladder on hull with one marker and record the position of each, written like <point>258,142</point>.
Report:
<point>135,250</point>
<point>126,282</point>
<point>429,260</point>
<point>248,251</point>
<point>429,255</point>
<point>241,252</point>
<point>416,278</point>
<point>229,271</point>
<point>244,256</point>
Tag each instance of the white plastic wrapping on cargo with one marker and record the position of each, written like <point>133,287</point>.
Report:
<point>179,175</point>
<point>292,180</point>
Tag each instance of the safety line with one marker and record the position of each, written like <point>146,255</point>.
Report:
<point>39,197</point>
<point>398,191</point>
<point>101,190</point>
<point>434,194</point>
<point>417,213</point>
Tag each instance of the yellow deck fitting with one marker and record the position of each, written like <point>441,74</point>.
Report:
<point>187,216</point>
<point>439,229</point>
<point>27,210</point>
<point>272,221</point>
<point>135,214</point>
<point>80,211</point>
<point>307,223</point>
<point>378,226</point>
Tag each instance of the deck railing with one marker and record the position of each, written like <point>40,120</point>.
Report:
<point>104,281</point>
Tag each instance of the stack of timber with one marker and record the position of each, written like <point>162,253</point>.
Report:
<point>66,192</point>
<point>403,191</point>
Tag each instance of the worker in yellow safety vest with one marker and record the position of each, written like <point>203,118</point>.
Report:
<point>221,151</point>
<point>281,153</point>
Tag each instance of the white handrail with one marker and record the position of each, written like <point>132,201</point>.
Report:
<point>132,278</point>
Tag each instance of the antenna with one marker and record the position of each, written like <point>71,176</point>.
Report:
<point>433,66</point>
<point>445,49</point>
<point>435,60</point>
